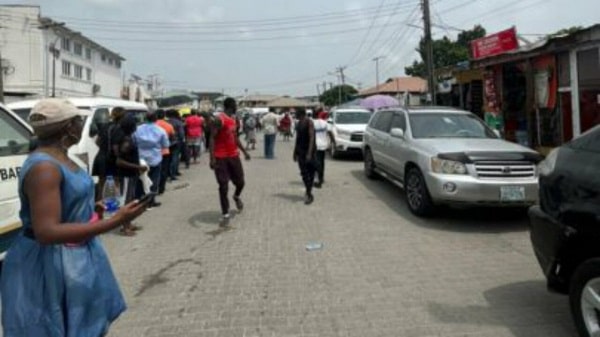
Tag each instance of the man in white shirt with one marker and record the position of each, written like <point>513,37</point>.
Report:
<point>270,124</point>
<point>323,137</point>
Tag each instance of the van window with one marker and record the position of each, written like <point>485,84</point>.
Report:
<point>101,119</point>
<point>14,137</point>
<point>22,113</point>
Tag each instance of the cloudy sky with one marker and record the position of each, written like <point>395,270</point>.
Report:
<point>287,47</point>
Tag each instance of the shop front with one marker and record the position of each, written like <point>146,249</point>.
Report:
<point>545,94</point>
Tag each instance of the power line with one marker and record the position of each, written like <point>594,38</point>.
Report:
<point>278,21</point>
<point>362,43</point>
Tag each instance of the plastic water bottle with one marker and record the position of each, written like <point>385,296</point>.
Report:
<point>111,197</point>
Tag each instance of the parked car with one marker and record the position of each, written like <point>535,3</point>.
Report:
<point>565,227</point>
<point>348,126</point>
<point>96,115</point>
<point>447,156</point>
<point>15,138</point>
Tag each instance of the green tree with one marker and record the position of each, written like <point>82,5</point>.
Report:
<point>338,95</point>
<point>445,51</point>
<point>565,31</point>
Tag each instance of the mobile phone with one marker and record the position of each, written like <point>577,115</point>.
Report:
<point>146,198</point>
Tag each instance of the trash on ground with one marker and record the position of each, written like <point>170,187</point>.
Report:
<point>314,246</point>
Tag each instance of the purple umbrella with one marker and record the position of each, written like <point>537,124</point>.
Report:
<point>379,101</point>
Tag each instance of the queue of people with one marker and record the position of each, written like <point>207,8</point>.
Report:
<point>62,213</point>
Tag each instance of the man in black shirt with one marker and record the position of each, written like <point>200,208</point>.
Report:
<point>105,162</point>
<point>304,152</point>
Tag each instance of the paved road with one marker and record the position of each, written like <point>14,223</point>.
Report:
<point>382,272</point>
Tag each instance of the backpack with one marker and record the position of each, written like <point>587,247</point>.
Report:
<point>251,123</point>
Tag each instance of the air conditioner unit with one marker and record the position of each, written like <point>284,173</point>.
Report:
<point>95,89</point>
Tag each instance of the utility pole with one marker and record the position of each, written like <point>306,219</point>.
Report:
<point>377,70</point>
<point>429,52</point>
<point>1,80</point>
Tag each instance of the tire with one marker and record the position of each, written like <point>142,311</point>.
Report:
<point>417,195</point>
<point>333,152</point>
<point>585,286</point>
<point>369,165</point>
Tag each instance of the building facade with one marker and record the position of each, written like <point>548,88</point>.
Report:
<point>44,58</point>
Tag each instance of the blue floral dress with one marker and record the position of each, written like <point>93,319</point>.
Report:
<point>59,290</point>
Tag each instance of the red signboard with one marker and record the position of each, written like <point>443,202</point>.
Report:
<point>495,44</point>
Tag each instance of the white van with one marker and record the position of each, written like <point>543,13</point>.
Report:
<point>97,113</point>
<point>15,137</point>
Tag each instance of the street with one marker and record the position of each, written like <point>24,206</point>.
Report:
<point>381,271</point>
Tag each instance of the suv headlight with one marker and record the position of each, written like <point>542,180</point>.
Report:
<point>343,133</point>
<point>447,166</point>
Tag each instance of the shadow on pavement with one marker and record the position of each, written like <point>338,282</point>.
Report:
<point>205,218</point>
<point>347,157</point>
<point>476,219</point>
<point>290,197</point>
<point>526,308</point>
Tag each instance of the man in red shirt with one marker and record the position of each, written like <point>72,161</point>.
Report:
<point>225,157</point>
<point>194,125</point>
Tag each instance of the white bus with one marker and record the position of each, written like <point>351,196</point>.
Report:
<point>15,137</point>
<point>97,114</point>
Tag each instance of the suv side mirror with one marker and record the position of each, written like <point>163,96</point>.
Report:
<point>330,120</point>
<point>397,133</point>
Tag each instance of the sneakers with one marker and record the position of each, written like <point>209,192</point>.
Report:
<point>225,219</point>
<point>309,199</point>
<point>238,203</point>
<point>153,205</point>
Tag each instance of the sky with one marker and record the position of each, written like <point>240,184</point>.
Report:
<point>288,47</point>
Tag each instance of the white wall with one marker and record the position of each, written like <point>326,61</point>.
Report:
<point>21,46</point>
<point>26,47</point>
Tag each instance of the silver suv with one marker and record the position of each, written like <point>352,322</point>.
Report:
<point>446,156</point>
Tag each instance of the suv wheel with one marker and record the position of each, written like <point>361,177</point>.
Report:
<point>369,165</point>
<point>417,195</point>
<point>584,297</point>
<point>332,151</point>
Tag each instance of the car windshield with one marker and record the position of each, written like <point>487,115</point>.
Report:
<point>14,137</point>
<point>357,117</point>
<point>446,125</point>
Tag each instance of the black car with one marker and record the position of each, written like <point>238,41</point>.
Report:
<point>565,227</point>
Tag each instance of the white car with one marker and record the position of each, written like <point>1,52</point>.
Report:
<point>96,113</point>
<point>348,126</point>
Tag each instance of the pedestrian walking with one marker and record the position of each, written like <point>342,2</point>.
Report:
<point>286,126</point>
<point>250,131</point>
<point>270,124</point>
<point>152,141</point>
<point>194,128</point>
<point>225,159</point>
<point>165,166</point>
<point>323,139</point>
<point>56,279</point>
<point>128,168</point>
<point>105,163</point>
<point>174,118</point>
<point>304,152</point>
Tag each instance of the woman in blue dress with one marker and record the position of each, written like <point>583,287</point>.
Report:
<point>56,279</point>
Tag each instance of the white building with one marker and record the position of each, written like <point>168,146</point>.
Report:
<point>41,57</point>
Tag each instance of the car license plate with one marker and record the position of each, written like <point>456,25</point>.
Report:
<point>512,193</point>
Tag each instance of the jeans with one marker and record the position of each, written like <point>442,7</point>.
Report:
<point>307,171</point>
<point>175,158</point>
<point>270,146</point>
<point>165,166</point>
<point>320,158</point>
<point>154,175</point>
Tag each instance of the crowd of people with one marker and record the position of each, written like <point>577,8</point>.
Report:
<point>62,213</point>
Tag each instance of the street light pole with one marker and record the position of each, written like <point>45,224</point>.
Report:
<point>377,70</point>
<point>55,54</point>
<point>429,52</point>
